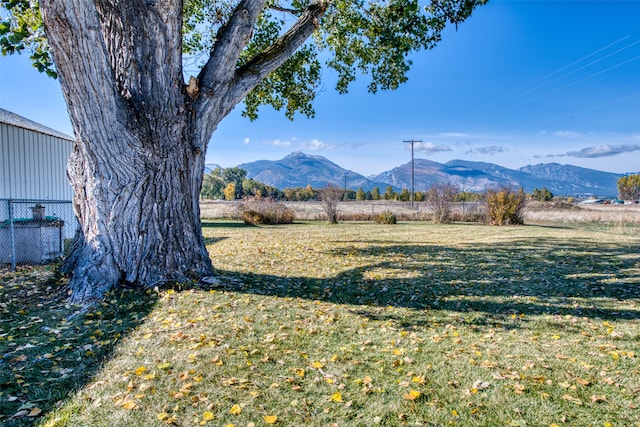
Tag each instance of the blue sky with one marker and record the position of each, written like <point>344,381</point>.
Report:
<point>521,82</point>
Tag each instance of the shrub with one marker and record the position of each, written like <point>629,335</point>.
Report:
<point>265,211</point>
<point>330,197</point>
<point>439,198</point>
<point>505,206</point>
<point>542,195</point>
<point>386,217</point>
<point>355,216</point>
<point>629,187</point>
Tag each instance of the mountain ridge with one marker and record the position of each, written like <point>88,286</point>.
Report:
<point>298,169</point>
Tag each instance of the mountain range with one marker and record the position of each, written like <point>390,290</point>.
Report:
<point>300,169</point>
<point>560,179</point>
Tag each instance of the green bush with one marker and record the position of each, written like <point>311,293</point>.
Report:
<point>386,217</point>
<point>542,195</point>
<point>505,206</point>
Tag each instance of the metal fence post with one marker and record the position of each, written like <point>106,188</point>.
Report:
<point>12,235</point>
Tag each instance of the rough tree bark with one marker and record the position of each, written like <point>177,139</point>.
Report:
<point>142,134</point>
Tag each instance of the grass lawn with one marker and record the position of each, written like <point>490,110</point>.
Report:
<point>347,325</point>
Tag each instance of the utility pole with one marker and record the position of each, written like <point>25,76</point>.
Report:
<point>345,186</point>
<point>412,141</point>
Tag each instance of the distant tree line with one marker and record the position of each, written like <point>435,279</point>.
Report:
<point>233,184</point>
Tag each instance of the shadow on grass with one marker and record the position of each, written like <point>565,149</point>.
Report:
<point>48,349</point>
<point>225,224</point>
<point>487,284</point>
<point>46,355</point>
<point>212,240</point>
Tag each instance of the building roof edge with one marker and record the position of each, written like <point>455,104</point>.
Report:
<point>14,119</point>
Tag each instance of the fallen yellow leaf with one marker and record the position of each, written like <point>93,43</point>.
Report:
<point>270,419</point>
<point>412,395</point>
<point>336,397</point>
<point>129,405</point>
<point>235,410</point>
<point>317,365</point>
<point>208,416</point>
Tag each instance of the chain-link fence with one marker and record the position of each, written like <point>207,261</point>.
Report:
<point>34,231</point>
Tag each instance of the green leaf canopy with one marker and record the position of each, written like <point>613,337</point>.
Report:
<point>354,37</point>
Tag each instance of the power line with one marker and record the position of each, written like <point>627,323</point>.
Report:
<point>589,64</point>
<point>613,67</point>
<point>509,102</point>
<point>595,107</point>
<point>525,88</point>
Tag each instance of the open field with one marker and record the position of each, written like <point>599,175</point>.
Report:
<point>350,325</point>
<point>535,213</point>
<point>615,215</point>
<point>312,210</point>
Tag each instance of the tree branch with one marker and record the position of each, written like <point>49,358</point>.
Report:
<point>284,9</point>
<point>254,71</point>
<point>221,86</point>
<point>230,41</point>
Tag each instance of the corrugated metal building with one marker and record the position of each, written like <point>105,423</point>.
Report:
<point>33,160</point>
<point>33,174</point>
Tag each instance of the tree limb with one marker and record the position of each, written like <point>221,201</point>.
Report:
<point>284,9</point>
<point>254,71</point>
<point>230,41</point>
<point>221,85</point>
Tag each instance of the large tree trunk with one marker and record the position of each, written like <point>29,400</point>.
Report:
<point>137,163</point>
<point>142,134</point>
<point>138,211</point>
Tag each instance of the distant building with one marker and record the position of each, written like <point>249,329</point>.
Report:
<point>33,160</point>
